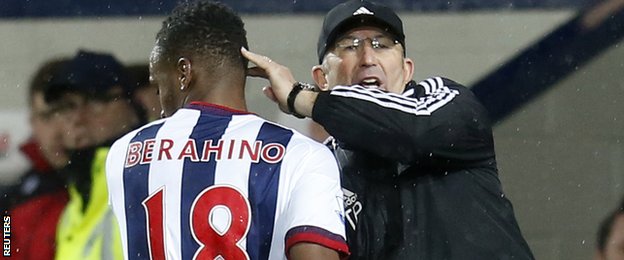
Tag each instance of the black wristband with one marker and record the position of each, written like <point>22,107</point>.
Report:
<point>290,101</point>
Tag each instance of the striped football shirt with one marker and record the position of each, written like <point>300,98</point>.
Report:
<point>213,182</point>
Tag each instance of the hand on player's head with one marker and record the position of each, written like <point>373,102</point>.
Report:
<point>280,78</point>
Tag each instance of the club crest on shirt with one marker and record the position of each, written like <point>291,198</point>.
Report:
<point>234,149</point>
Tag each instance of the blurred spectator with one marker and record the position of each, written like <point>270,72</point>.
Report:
<point>610,244</point>
<point>13,162</point>
<point>93,96</point>
<point>145,93</point>
<point>41,189</point>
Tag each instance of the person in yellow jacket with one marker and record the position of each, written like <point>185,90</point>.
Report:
<point>92,93</point>
<point>87,228</point>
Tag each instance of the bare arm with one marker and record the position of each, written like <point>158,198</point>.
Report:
<point>311,251</point>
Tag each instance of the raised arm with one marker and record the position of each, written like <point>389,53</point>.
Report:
<point>436,121</point>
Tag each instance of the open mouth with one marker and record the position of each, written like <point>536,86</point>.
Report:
<point>370,83</point>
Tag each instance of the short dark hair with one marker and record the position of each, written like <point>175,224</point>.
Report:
<point>604,231</point>
<point>205,28</point>
<point>44,74</point>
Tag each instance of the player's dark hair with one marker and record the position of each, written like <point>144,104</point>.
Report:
<point>208,29</point>
<point>604,230</point>
<point>42,77</point>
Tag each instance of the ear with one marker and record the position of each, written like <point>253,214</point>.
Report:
<point>408,70</point>
<point>184,73</point>
<point>318,74</point>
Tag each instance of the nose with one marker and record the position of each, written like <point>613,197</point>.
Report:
<point>369,57</point>
<point>78,116</point>
<point>77,128</point>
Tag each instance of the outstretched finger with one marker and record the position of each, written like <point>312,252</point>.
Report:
<point>261,61</point>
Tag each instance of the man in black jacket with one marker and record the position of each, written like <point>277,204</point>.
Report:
<point>417,159</point>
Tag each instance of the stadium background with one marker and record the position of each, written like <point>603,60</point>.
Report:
<point>560,147</point>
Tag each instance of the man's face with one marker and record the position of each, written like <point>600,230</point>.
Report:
<point>614,249</point>
<point>366,56</point>
<point>167,81</point>
<point>90,122</point>
<point>47,129</point>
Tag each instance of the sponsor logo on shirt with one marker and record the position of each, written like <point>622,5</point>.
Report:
<point>352,207</point>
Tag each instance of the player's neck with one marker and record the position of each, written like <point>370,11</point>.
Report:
<point>223,92</point>
<point>226,98</point>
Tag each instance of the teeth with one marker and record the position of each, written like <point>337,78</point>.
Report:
<point>369,81</point>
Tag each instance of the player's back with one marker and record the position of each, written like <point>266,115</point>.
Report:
<point>211,181</point>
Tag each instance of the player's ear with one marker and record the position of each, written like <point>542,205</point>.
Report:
<point>408,70</point>
<point>184,73</point>
<point>318,74</point>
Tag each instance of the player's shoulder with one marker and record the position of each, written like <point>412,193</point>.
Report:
<point>298,139</point>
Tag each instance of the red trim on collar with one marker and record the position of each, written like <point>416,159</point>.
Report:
<point>231,110</point>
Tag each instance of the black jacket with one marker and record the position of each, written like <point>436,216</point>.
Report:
<point>419,174</point>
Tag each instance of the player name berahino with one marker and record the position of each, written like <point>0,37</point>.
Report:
<point>234,149</point>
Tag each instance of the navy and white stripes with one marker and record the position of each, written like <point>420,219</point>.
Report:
<point>436,95</point>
